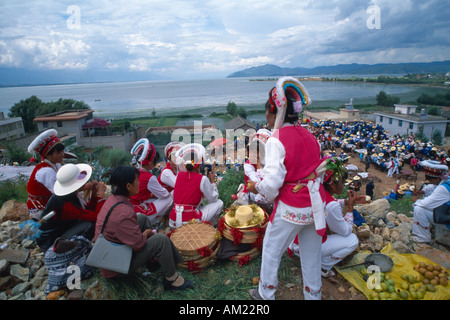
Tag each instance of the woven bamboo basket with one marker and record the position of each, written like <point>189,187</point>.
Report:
<point>197,242</point>
<point>249,235</point>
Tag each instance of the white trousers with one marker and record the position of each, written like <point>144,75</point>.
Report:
<point>334,250</point>
<point>422,222</point>
<point>279,235</point>
<point>162,207</point>
<point>211,212</point>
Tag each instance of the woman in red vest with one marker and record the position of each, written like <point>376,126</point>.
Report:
<point>168,175</point>
<point>74,216</point>
<point>253,167</point>
<point>43,178</point>
<point>291,179</point>
<point>152,199</point>
<point>191,187</point>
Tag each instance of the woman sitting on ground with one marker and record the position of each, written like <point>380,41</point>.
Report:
<point>73,216</point>
<point>191,187</point>
<point>136,231</point>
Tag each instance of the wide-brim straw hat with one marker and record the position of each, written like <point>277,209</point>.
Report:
<point>71,177</point>
<point>245,216</point>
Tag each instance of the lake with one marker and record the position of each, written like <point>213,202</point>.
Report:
<point>134,99</point>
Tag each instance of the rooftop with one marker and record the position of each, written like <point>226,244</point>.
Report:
<point>66,115</point>
<point>416,117</point>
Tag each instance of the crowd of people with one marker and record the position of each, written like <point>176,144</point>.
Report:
<point>291,169</point>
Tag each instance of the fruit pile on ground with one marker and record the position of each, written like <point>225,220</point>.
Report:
<point>411,285</point>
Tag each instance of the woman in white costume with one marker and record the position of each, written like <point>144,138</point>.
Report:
<point>253,167</point>
<point>292,181</point>
<point>342,241</point>
<point>152,200</point>
<point>168,175</point>
<point>191,187</point>
<point>423,208</point>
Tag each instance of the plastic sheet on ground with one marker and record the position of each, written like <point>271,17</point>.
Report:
<point>403,263</point>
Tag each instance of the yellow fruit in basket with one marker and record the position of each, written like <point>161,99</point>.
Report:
<point>420,294</point>
<point>422,264</point>
<point>429,275</point>
<point>430,268</point>
<point>438,268</point>
<point>426,281</point>
<point>384,286</point>
<point>395,296</point>
<point>431,288</point>
<point>422,271</point>
<point>404,295</point>
<point>411,279</point>
<point>413,295</point>
<point>443,281</point>
<point>404,285</point>
<point>404,276</point>
<point>363,271</point>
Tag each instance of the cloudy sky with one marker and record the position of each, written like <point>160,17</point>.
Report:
<point>213,38</point>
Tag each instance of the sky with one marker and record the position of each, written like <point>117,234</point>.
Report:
<point>189,39</point>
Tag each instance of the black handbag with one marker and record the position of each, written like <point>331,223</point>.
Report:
<point>441,214</point>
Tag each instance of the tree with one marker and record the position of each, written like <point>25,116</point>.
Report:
<point>383,99</point>
<point>421,136</point>
<point>26,109</point>
<point>436,138</point>
<point>32,107</point>
<point>231,108</point>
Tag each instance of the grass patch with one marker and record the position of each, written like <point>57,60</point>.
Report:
<point>403,205</point>
<point>225,280</point>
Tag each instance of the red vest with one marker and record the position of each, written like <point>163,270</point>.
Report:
<point>246,179</point>
<point>187,193</point>
<point>167,187</point>
<point>143,194</point>
<point>301,160</point>
<point>38,194</point>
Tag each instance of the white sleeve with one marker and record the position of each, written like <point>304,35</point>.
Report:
<point>168,177</point>
<point>209,190</point>
<point>274,170</point>
<point>439,196</point>
<point>250,172</point>
<point>46,176</point>
<point>155,188</point>
<point>342,225</point>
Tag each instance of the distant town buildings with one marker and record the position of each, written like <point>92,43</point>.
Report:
<point>10,128</point>
<point>404,120</point>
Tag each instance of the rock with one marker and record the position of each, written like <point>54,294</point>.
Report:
<point>55,295</point>
<point>3,265</point>
<point>75,295</point>
<point>20,288</point>
<point>391,216</point>
<point>442,234</point>
<point>404,218</point>
<point>363,232</point>
<point>14,211</point>
<point>401,247</point>
<point>20,272</point>
<point>386,234</point>
<point>378,208</point>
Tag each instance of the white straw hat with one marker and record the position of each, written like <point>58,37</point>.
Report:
<point>71,177</point>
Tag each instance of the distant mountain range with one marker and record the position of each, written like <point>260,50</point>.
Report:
<point>24,77</point>
<point>270,70</point>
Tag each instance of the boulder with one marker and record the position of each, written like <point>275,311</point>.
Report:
<point>14,211</point>
<point>378,208</point>
<point>442,234</point>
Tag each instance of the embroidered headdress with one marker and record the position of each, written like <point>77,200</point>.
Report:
<point>144,151</point>
<point>277,98</point>
<point>44,143</point>
<point>192,153</point>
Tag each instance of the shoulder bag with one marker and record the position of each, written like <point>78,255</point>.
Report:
<point>109,255</point>
<point>441,214</point>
